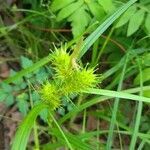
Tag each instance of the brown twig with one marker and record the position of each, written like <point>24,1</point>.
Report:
<point>48,30</point>
<point>68,30</point>
<point>115,42</point>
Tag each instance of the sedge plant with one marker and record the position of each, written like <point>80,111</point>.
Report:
<point>69,78</point>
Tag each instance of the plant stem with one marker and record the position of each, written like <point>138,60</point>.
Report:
<point>36,140</point>
<point>37,146</point>
<point>105,44</point>
<point>94,53</point>
<point>84,121</point>
<point>139,112</point>
<point>115,109</point>
<point>78,104</point>
<point>61,131</point>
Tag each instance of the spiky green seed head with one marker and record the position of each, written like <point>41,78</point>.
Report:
<point>86,78</point>
<point>49,95</point>
<point>60,62</point>
<point>69,78</point>
<point>80,80</point>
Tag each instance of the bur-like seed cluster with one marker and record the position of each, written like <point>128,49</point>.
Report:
<point>80,80</point>
<point>60,61</point>
<point>68,79</point>
<point>49,95</point>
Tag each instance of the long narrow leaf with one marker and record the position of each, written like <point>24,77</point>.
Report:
<point>115,108</point>
<point>139,111</point>
<point>23,132</point>
<point>107,94</point>
<point>103,27</point>
<point>118,94</point>
<point>28,70</point>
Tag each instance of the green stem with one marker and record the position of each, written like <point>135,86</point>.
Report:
<point>97,136</point>
<point>80,99</point>
<point>105,44</point>
<point>84,121</point>
<point>115,109</point>
<point>139,112</point>
<point>61,131</point>
<point>37,145</point>
<point>36,140</point>
<point>94,53</point>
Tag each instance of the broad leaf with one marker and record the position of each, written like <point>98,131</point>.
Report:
<point>41,75</point>
<point>135,22</point>
<point>126,16</point>
<point>103,27</point>
<point>145,74</point>
<point>26,62</point>
<point>16,81</point>
<point>107,5</point>
<point>9,99</point>
<point>3,95</point>
<point>58,4</point>
<point>68,10</point>
<point>96,10</point>
<point>22,103</point>
<point>6,87</point>
<point>146,59</point>
<point>79,21</point>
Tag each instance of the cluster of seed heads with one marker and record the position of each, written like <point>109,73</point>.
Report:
<point>67,79</point>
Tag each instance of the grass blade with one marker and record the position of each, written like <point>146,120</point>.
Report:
<point>113,94</point>
<point>23,132</point>
<point>107,95</point>
<point>82,107</point>
<point>95,35</point>
<point>139,112</point>
<point>61,131</point>
<point>115,108</point>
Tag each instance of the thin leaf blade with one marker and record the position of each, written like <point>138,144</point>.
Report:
<point>23,132</point>
<point>103,27</point>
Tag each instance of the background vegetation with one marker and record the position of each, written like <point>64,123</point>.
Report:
<point>78,73</point>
